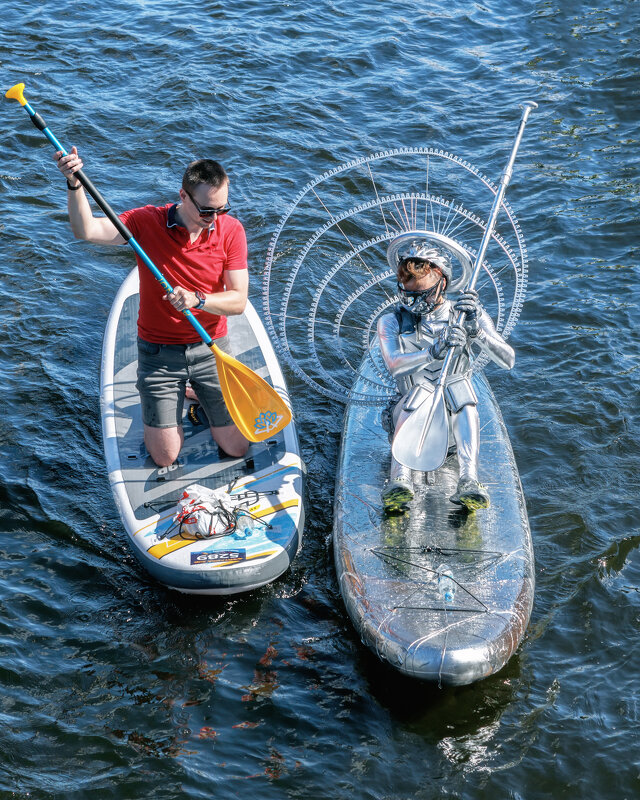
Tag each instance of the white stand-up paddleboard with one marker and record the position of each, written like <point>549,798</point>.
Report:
<point>452,630</point>
<point>267,482</point>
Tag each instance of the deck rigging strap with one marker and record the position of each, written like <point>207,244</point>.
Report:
<point>392,554</point>
<point>213,513</point>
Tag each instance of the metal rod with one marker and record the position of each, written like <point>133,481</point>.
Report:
<point>527,107</point>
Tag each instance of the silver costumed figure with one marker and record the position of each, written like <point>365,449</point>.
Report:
<point>414,339</point>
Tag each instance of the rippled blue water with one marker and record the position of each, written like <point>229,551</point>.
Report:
<point>112,687</point>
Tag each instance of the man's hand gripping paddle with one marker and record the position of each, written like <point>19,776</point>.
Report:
<point>254,405</point>
<point>422,440</point>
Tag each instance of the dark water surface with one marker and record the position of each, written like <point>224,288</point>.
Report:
<point>112,687</point>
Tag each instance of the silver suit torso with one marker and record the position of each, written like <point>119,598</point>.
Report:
<point>405,354</point>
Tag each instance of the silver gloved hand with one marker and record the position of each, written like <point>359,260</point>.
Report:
<point>450,336</point>
<point>468,302</point>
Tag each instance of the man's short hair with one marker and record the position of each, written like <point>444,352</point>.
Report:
<point>205,170</point>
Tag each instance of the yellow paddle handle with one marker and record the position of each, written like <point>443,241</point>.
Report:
<point>17,93</point>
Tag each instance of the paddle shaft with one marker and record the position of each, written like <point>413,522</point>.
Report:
<point>122,229</point>
<point>527,107</point>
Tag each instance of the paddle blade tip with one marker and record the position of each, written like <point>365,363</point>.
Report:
<point>17,93</point>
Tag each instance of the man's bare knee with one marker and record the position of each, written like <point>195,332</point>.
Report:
<point>162,460</point>
<point>239,451</point>
<point>162,457</point>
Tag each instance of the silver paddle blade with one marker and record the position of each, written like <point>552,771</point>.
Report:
<point>422,440</point>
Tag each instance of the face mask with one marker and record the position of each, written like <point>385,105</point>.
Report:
<point>423,302</point>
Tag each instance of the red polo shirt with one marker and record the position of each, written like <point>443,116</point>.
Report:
<point>192,265</point>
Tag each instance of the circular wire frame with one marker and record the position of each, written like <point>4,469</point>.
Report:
<point>327,279</point>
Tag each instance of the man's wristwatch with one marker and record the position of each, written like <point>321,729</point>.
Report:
<point>202,299</point>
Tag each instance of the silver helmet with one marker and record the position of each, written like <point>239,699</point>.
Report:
<point>420,250</point>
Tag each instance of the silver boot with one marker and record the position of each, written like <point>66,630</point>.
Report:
<point>471,494</point>
<point>398,491</point>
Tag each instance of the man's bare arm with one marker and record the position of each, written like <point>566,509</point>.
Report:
<point>84,225</point>
<point>228,303</point>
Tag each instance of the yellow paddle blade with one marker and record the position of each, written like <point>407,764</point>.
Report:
<point>255,407</point>
<point>17,93</point>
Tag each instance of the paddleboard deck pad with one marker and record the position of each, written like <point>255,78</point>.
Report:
<point>268,481</point>
<point>390,567</point>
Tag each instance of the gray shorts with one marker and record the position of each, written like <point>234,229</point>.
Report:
<point>163,372</point>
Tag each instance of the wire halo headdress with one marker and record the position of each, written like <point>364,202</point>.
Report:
<point>328,274</point>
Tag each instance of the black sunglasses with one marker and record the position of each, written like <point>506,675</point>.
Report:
<point>205,211</point>
<point>413,295</point>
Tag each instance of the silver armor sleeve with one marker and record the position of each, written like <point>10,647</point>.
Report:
<point>490,341</point>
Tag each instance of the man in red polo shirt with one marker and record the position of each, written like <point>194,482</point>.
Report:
<point>202,252</point>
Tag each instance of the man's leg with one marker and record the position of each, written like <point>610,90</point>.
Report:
<point>465,425</point>
<point>204,380</point>
<point>398,490</point>
<point>161,384</point>
<point>229,438</point>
